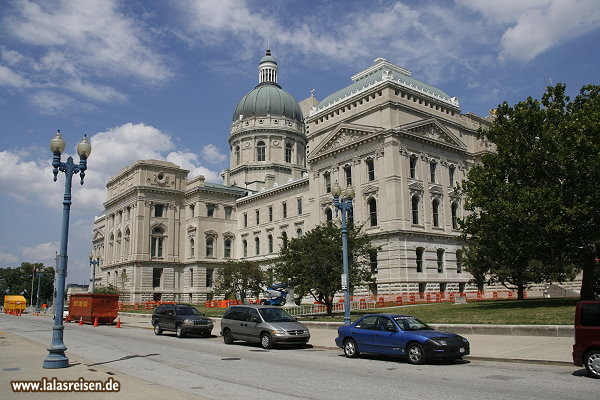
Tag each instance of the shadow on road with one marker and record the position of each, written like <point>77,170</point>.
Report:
<point>124,358</point>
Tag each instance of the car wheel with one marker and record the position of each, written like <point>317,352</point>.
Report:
<point>592,363</point>
<point>179,331</point>
<point>266,341</point>
<point>416,354</point>
<point>157,330</point>
<point>351,349</point>
<point>227,337</point>
<point>206,334</point>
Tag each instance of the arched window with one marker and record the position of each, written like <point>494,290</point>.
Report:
<point>192,250</point>
<point>245,247</point>
<point>415,209</point>
<point>299,233</point>
<point>227,248</point>
<point>459,256</point>
<point>284,240</point>
<point>157,242</point>
<point>419,254</point>
<point>118,248</point>
<point>328,214</point>
<point>126,242</point>
<point>237,155</point>
<point>210,244</point>
<point>111,247</point>
<point>257,245</point>
<point>413,166</point>
<point>435,205</point>
<point>440,260</point>
<point>288,152</point>
<point>270,241</point>
<point>373,211</point>
<point>454,209</point>
<point>261,151</point>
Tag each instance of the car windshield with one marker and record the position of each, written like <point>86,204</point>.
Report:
<point>275,315</point>
<point>187,311</point>
<point>411,324</point>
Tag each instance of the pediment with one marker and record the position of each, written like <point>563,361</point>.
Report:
<point>433,130</point>
<point>371,189</point>
<point>98,236</point>
<point>436,189</point>
<point>416,186</point>
<point>344,135</point>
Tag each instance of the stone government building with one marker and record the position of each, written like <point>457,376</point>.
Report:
<point>401,143</point>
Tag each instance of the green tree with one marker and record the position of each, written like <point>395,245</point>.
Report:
<point>533,202</point>
<point>237,279</point>
<point>19,280</point>
<point>313,263</point>
<point>110,289</point>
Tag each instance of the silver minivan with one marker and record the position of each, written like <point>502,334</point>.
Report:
<point>266,325</point>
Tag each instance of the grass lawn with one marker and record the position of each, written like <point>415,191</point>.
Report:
<point>503,312</point>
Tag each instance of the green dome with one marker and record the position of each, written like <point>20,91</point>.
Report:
<point>268,98</point>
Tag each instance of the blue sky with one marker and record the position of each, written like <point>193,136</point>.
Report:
<point>160,79</point>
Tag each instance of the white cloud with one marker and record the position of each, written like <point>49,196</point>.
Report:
<point>41,253</point>
<point>96,92</point>
<point>7,258</point>
<point>51,103</point>
<point>212,154</point>
<point>10,78</point>
<point>112,150</point>
<point>533,27</point>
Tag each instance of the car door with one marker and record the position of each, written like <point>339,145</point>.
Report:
<point>364,333</point>
<point>252,329</point>
<point>169,319</point>
<point>387,337</point>
<point>239,325</point>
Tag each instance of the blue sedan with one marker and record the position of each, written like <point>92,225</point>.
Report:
<point>400,335</point>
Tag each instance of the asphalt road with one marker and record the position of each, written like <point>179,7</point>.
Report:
<point>211,369</point>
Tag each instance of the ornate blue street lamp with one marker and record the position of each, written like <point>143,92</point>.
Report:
<point>345,206</point>
<point>56,357</point>
<point>94,262</point>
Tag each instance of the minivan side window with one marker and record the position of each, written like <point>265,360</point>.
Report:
<point>590,314</point>
<point>252,313</point>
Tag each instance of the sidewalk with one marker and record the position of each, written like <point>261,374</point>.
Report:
<point>502,347</point>
<point>21,361</point>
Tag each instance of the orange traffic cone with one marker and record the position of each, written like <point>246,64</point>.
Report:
<point>118,322</point>
<point>95,322</point>
<point>80,320</point>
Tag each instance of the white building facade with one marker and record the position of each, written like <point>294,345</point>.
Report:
<point>402,144</point>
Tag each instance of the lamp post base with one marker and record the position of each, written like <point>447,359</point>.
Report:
<point>56,360</point>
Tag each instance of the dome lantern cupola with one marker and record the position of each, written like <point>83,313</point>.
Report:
<point>267,69</point>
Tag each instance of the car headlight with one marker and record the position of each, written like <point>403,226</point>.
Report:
<point>188,321</point>
<point>439,342</point>
<point>278,332</point>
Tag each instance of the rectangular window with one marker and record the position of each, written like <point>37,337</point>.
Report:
<point>191,277</point>
<point>451,171</point>
<point>257,217</point>
<point>156,277</point>
<point>432,168</point>
<point>299,206</point>
<point>228,211</point>
<point>284,209</point>
<point>413,167</point>
<point>245,220</point>
<point>191,211</point>
<point>348,172</point>
<point>371,169</point>
<point>159,210</point>
<point>270,213</point>
<point>440,261</point>
<point>209,277</point>
<point>227,248</point>
<point>327,177</point>
<point>210,210</point>
<point>458,261</point>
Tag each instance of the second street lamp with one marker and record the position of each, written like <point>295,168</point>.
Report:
<point>345,206</point>
<point>56,357</point>
<point>94,262</point>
